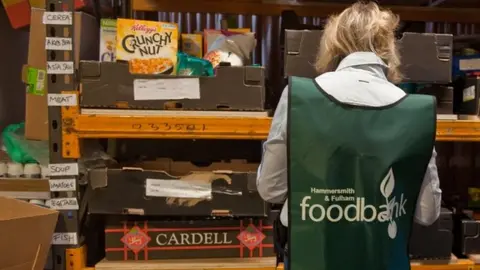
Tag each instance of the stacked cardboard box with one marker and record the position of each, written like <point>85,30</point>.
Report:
<point>86,48</point>
<point>26,234</point>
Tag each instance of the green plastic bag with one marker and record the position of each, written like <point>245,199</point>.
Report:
<point>21,150</point>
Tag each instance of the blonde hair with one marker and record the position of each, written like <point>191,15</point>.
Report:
<point>363,27</point>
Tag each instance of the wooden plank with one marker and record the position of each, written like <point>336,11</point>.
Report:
<point>24,185</point>
<point>198,264</point>
<point>453,264</point>
<point>256,7</point>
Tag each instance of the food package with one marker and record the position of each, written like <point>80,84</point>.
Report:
<point>149,47</point>
<point>193,66</point>
<point>108,35</point>
<point>192,44</point>
<point>233,48</point>
<point>239,30</point>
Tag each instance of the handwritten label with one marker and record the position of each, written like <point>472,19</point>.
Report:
<point>166,89</point>
<point>63,169</point>
<point>62,184</point>
<point>64,239</point>
<point>58,44</point>
<point>62,100</point>
<point>169,127</point>
<point>57,18</point>
<point>177,189</point>
<point>60,67</point>
<point>63,204</point>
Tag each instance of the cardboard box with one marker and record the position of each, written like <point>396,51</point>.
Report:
<point>192,44</point>
<point>434,241</point>
<point>188,239</point>
<point>86,48</point>
<point>108,40</point>
<point>111,85</point>
<point>27,232</point>
<point>426,57</point>
<point>221,189</point>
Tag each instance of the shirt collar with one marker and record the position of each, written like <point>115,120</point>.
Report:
<point>360,59</point>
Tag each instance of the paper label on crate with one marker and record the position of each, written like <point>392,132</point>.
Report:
<point>63,204</point>
<point>62,100</point>
<point>57,18</point>
<point>166,89</point>
<point>58,44</point>
<point>64,239</point>
<point>63,169</point>
<point>62,184</point>
<point>60,67</point>
<point>469,64</point>
<point>177,189</point>
<point>469,93</point>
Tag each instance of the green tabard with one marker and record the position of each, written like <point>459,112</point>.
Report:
<point>354,177</point>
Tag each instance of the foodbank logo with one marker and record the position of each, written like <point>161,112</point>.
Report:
<point>386,188</point>
<point>357,208</point>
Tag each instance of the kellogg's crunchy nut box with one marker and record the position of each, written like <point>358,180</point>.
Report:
<point>149,47</point>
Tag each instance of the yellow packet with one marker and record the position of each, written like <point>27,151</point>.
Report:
<point>192,44</point>
<point>149,47</point>
<point>240,30</point>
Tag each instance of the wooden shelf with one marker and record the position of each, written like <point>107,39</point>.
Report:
<point>24,185</point>
<point>259,7</point>
<point>197,264</point>
<point>25,188</point>
<point>454,264</point>
<point>252,264</point>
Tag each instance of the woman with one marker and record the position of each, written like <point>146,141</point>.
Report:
<point>358,153</point>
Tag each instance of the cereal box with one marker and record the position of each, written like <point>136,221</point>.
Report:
<point>108,35</point>
<point>192,44</point>
<point>149,47</point>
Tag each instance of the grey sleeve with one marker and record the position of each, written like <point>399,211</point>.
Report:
<point>272,174</point>
<point>430,197</point>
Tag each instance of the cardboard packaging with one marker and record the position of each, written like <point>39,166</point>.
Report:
<point>111,85</point>
<point>168,188</point>
<point>426,57</point>
<point>86,48</point>
<point>108,40</point>
<point>188,239</point>
<point>192,44</point>
<point>149,47</point>
<point>27,232</point>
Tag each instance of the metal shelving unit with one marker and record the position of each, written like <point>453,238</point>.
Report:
<point>69,124</point>
<point>67,241</point>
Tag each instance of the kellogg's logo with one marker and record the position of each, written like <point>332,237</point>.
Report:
<point>251,237</point>
<point>144,28</point>
<point>136,239</point>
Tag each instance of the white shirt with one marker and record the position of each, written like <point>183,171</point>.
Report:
<point>343,85</point>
